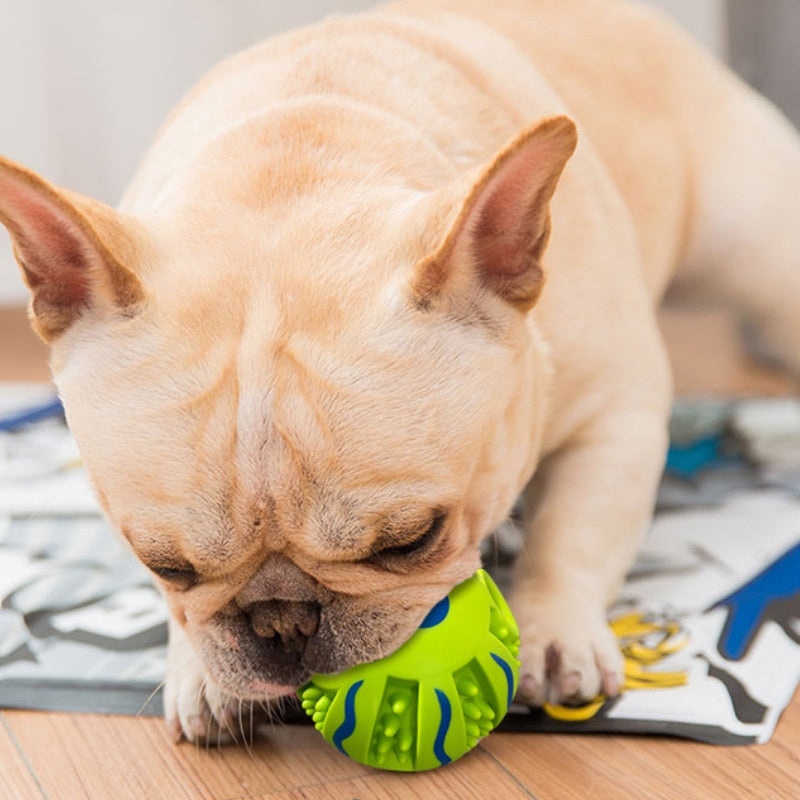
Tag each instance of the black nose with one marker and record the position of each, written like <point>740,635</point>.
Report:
<point>288,623</point>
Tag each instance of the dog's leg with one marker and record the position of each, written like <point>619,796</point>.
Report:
<point>589,506</point>
<point>592,497</point>
<point>744,239</point>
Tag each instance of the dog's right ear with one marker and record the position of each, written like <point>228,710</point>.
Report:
<point>73,251</point>
<point>501,227</point>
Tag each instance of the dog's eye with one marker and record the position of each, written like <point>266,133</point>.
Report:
<point>421,541</point>
<point>180,577</point>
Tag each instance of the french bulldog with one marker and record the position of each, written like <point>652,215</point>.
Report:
<point>375,279</point>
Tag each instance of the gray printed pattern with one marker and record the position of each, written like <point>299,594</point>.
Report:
<point>82,627</point>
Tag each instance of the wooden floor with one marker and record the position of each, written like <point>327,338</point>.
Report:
<point>77,756</point>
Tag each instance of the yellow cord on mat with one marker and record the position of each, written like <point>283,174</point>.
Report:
<point>643,641</point>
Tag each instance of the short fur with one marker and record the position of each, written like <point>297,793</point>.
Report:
<point>343,317</point>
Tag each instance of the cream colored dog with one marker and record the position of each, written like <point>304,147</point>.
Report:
<point>320,349</point>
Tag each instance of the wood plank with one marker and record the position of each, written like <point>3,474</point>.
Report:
<point>282,758</point>
<point>23,356</point>
<point>707,357</point>
<point>17,781</point>
<point>79,756</point>
<point>124,758</point>
<point>476,775</point>
<point>84,756</point>
<point>568,767</point>
<point>76,757</point>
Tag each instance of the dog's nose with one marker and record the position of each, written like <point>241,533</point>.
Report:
<point>287,622</point>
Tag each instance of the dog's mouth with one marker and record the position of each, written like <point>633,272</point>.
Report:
<point>254,665</point>
<point>270,651</point>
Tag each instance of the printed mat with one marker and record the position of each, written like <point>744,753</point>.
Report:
<point>708,620</point>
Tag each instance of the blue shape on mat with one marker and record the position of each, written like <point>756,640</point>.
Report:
<point>444,726</point>
<point>688,460</point>
<point>52,408</point>
<point>509,677</point>
<point>437,614</point>
<point>749,606</point>
<point>349,723</point>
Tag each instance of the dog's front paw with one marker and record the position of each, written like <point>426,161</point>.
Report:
<point>569,656</point>
<point>195,708</point>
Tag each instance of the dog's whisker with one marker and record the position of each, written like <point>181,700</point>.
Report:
<point>247,741</point>
<point>201,694</point>
<point>150,697</point>
<point>275,712</point>
<point>524,554</point>
<point>495,540</point>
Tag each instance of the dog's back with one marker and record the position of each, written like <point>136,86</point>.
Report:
<point>638,88</point>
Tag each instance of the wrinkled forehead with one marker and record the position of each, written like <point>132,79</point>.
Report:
<point>344,437</point>
<point>374,403</point>
<point>281,399</point>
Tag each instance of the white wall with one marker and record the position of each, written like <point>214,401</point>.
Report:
<point>85,83</point>
<point>763,48</point>
<point>706,19</point>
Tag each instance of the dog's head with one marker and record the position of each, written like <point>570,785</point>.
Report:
<point>302,418</point>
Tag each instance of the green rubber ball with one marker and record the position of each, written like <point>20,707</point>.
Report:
<point>432,700</point>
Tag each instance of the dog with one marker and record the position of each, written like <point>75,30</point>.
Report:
<point>374,280</point>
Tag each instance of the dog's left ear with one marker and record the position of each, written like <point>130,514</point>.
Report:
<point>74,252</point>
<point>502,228</point>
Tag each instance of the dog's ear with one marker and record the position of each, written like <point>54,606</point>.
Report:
<point>72,251</point>
<point>502,227</point>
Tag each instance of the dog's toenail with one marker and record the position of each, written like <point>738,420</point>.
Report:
<point>571,684</point>
<point>611,684</point>
<point>528,687</point>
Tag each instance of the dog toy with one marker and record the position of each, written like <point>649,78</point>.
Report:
<point>433,699</point>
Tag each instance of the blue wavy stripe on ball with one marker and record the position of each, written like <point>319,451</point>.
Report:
<point>437,614</point>
<point>348,725</point>
<point>504,665</point>
<point>444,727</point>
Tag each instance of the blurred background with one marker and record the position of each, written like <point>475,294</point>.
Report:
<point>84,84</point>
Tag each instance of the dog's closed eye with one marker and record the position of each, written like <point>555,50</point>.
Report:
<point>183,577</point>
<point>413,542</point>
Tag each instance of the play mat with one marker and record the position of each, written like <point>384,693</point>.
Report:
<point>708,620</point>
